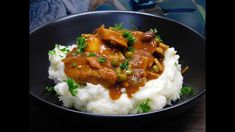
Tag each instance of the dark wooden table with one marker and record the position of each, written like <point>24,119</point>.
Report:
<point>41,120</point>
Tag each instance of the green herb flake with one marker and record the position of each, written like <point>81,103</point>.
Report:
<point>74,64</point>
<point>50,89</point>
<point>64,50</point>
<point>81,44</point>
<point>157,34</point>
<point>117,27</point>
<point>186,90</point>
<point>159,38</point>
<point>144,106</point>
<point>52,52</point>
<point>73,86</point>
<point>125,64</point>
<point>129,37</point>
<point>154,30</point>
<point>131,49</point>
<point>57,46</point>
<point>176,64</point>
<point>91,55</point>
<point>101,60</point>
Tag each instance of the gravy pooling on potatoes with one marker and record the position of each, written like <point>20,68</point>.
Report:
<point>116,59</point>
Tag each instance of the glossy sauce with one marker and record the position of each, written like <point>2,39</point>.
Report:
<point>87,69</point>
<point>146,46</point>
<point>115,92</point>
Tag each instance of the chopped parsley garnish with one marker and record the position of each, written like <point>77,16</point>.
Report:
<point>52,52</point>
<point>65,50</point>
<point>157,34</point>
<point>81,44</point>
<point>129,37</point>
<point>131,49</point>
<point>91,55</point>
<point>125,64</point>
<point>118,27</point>
<point>186,90</point>
<point>176,64</point>
<point>159,38</point>
<point>154,30</point>
<point>144,106</point>
<point>74,64</point>
<point>57,46</point>
<point>73,86</point>
<point>101,60</point>
<point>50,89</point>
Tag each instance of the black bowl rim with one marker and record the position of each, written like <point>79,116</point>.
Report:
<point>119,115</point>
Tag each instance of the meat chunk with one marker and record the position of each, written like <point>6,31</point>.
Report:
<point>148,36</point>
<point>93,62</point>
<point>114,37</point>
<point>85,69</point>
<point>141,59</point>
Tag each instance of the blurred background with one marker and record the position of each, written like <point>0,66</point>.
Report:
<point>189,12</point>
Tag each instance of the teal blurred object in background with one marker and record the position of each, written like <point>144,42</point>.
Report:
<point>189,12</point>
<point>106,7</point>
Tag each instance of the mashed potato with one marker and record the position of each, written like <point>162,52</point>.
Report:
<point>95,98</point>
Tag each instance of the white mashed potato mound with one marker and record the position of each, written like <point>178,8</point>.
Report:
<point>95,98</point>
<point>56,69</point>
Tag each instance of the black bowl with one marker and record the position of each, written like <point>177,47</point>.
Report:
<point>189,44</point>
